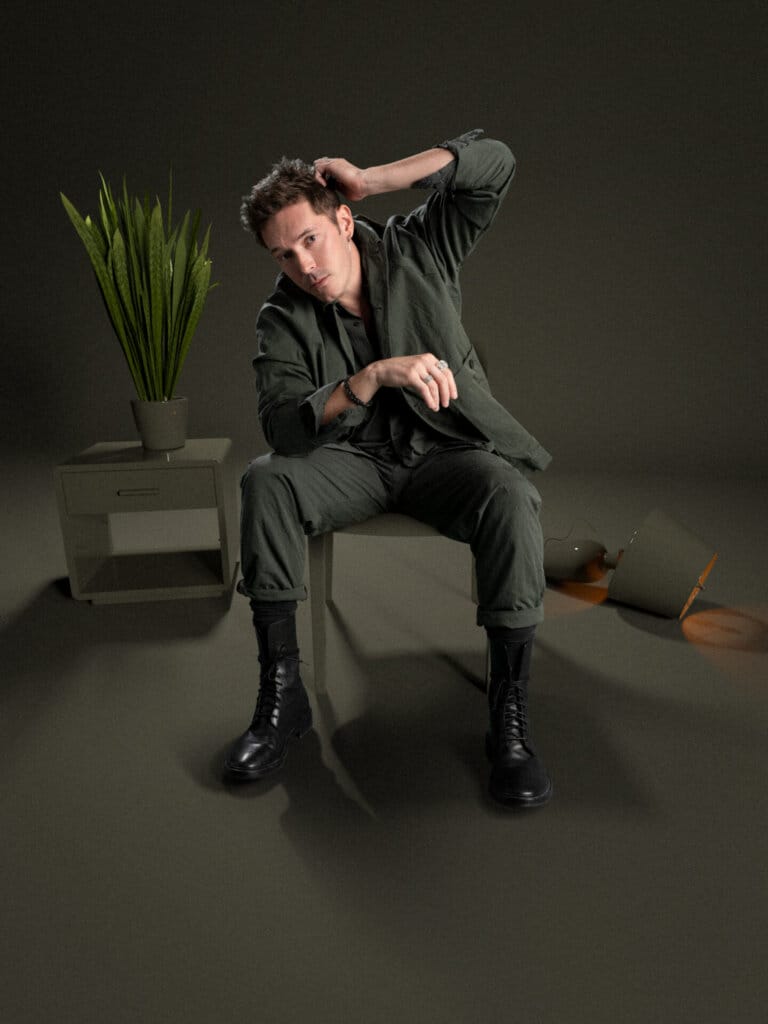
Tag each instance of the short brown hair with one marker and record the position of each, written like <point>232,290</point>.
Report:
<point>289,182</point>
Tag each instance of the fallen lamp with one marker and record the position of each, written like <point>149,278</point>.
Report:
<point>662,569</point>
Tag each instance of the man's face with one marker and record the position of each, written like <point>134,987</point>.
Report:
<point>315,252</point>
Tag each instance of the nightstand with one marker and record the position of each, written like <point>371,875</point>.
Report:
<point>149,526</point>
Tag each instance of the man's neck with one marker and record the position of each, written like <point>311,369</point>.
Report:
<point>355,299</point>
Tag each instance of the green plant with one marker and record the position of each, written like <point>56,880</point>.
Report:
<point>154,282</point>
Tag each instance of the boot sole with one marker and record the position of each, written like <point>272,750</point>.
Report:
<point>234,774</point>
<point>518,804</point>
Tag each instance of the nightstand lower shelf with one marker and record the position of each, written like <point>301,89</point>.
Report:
<point>144,577</point>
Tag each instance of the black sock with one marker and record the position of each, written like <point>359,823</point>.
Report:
<point>265,612</point>
<point>517,636</point>
<point>273,640</point>
<point>511,650</point>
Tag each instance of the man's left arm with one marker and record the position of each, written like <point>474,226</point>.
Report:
<point>356,183</point>
<point>470,176</point>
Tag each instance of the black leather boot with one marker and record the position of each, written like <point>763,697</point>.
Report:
<point>518,778</point>
<point>282,707</point>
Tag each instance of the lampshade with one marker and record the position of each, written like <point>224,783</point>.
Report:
<point>661,570</point>
<point>663,567</point>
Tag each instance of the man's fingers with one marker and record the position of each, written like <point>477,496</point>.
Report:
<point>430,388</point>
<point>446,383</point>
<point>431,378</point>
<point>426,387</point>
<point>430,393</point>
<point>321,166</point>
<point>444,392</point>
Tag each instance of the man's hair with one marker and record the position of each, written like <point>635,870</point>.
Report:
<point>289,182</point>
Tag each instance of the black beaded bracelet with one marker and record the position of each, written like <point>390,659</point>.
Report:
<point>353,397</point>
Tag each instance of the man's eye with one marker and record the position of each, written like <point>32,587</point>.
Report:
<point>310,239</point>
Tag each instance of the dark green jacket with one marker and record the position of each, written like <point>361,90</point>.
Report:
<point>412,273</point>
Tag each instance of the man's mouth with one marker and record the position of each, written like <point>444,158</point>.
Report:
<point>318,281</point>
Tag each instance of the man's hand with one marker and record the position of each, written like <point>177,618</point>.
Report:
<point>340,174</point>
<point>425,374</point>
<point>356,183</point>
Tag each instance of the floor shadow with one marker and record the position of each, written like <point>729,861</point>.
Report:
<point>315,797</point>
<point>416,756</point>
<point>421,716</point>
<point>648,622</point>
<point>42,643</point>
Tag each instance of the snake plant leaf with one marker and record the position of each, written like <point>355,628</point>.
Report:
<point>139,225</point>
<point>179,282</point>
<point>153,281</point>
<point>201,277</point>
<point>133,350</point>
<point>170,199</point>
<point>108,209</point>
<point>204,243</point>
<point>120,267</point>
<point>156,245</point>
<point>97,262</point>
<point>98,238</point>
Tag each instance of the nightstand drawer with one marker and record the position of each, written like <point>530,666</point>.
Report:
<point>140,490</point>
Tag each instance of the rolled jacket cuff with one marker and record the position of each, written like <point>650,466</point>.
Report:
<point>442,180</point>
<point>312,408</point>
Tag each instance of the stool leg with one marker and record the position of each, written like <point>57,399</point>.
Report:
<point>318,578</point>
<point>488,642</point>
<point>328,541</point>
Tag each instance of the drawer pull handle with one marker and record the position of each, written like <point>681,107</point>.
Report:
<point>138,492</point>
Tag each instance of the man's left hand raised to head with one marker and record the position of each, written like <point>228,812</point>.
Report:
<point>338,173</point>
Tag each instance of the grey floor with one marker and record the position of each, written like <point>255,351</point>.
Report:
<point>375,881</point>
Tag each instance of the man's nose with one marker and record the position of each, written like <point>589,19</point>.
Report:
<point>306,262</point>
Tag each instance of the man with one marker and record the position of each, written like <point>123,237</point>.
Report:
<point>373,399</point>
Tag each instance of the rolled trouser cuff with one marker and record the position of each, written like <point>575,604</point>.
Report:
<point>511,619</point>
<point>271,594</point>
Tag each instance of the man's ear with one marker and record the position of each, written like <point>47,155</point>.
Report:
<point>345,221</point>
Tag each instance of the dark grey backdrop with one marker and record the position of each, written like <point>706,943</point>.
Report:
<point>619,300</point>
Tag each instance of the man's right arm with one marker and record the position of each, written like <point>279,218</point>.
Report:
<point>291,403</point>
<point>420,373</point>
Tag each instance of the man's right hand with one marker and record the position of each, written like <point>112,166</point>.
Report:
<point>435,386</point>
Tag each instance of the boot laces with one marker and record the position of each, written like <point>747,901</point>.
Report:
<point>515,713</point>
<point>270,695</point>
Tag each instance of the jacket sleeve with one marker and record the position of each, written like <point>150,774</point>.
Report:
<point>468,194</point>
<point>290,400</point>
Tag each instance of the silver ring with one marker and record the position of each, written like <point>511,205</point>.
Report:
<point>442,365</point>
<point>428,378</point>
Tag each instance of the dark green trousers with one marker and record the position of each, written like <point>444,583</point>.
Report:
<point>469,494</point>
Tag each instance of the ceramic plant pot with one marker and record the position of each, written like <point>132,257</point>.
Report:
<point>162,426</point>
